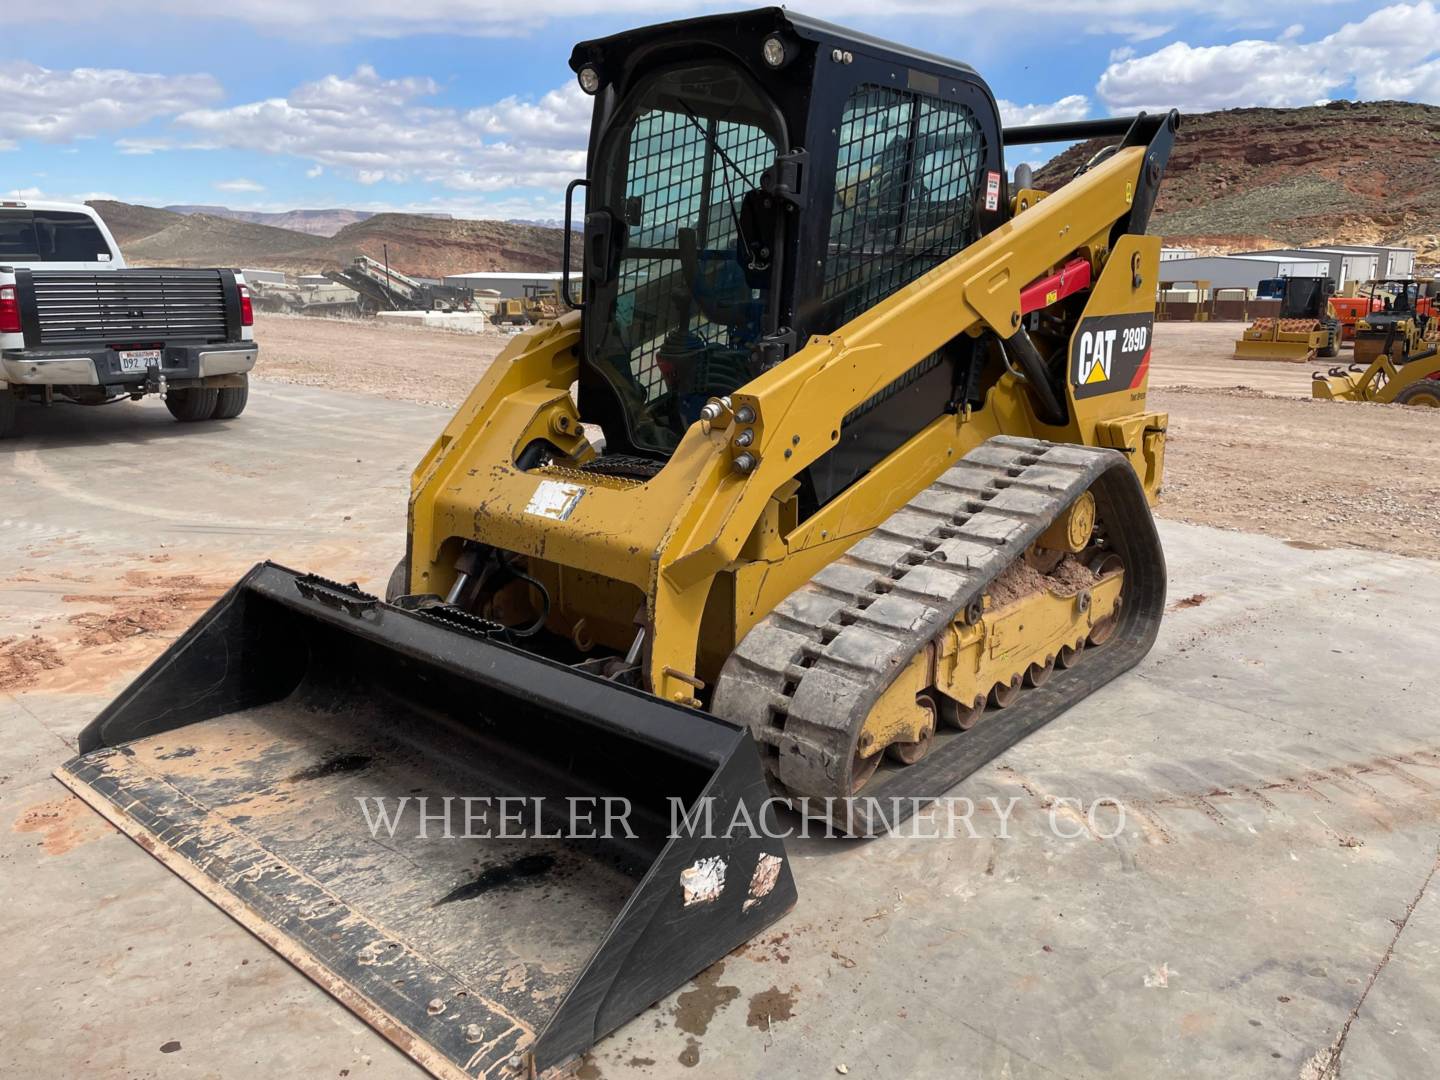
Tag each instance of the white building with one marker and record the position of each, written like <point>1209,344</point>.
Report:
<point>1169,253</point>
<point>1395,262</point>
<point>1346,264</point>
<point>1239,271</point>
<point>511,283</point>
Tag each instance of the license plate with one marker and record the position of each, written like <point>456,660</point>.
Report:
<point>139,359</point>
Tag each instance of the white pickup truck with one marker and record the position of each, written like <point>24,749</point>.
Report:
<point>77,325</point>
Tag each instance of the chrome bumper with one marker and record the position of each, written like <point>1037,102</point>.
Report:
<point>227,362</point>
<point>59,371</point>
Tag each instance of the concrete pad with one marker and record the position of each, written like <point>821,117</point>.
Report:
<point>1393,1030</point>
<point>471,322</point>
<point>1219,865</point>
<point>111,961</point>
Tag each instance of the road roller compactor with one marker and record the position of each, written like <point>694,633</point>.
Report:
<point>1397,350</point>
<point>835,486</point>
<point>1306,326</point>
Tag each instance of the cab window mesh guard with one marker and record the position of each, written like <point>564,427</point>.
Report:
<point>906,178</point>
<point>680,182</point>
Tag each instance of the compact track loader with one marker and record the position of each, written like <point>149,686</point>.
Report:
<point>1397,350</point>
<point>1306,326</point>
<point>871,504</point>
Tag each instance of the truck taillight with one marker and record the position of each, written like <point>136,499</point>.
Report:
<point>247,310</point>
<point>9,310</point>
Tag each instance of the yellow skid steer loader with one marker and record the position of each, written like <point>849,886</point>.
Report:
<point>871,505</point>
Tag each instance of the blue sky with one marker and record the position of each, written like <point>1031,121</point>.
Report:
<point>446,105</point>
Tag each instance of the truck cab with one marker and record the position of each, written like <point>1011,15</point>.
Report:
<point>77,325</point>
<point>56,236</point>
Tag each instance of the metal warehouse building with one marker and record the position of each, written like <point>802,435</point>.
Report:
<point>1346,264</point>
<point>1240,271</point>
<point>1395,262</point>
<point>509,283</point>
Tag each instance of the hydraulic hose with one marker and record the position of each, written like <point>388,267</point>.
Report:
<point>1049,408</point>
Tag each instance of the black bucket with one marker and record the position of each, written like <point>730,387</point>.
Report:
<point>494,859</point>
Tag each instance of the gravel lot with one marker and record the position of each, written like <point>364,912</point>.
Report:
<point>1265,910</point>
<point>403,363</point>
<point>1248,449</point>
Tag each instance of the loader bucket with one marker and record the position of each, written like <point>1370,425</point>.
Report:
<point>1294,352</point>
<point>1331,387</point>
<point>491,938</point>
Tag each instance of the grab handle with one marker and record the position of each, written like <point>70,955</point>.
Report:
<point>565,243</point>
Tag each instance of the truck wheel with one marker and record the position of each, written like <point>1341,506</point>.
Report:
<point>191,405</point>
<point>9,412</point>
<point>231,400</point>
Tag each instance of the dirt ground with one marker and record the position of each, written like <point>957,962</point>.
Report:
<point>1180,932</point>
<point>1248,449</point>
<point>403,363</point>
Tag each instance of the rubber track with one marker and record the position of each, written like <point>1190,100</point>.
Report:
<point>807,675</point>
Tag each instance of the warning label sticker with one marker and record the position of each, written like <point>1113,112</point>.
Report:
<point>992,191</point>
<point>555,500</point>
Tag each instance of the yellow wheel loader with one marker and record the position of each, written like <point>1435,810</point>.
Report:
<point>1397,354</point>
<point>1305,327</point>
<point>1416,382</point>
<point>871,504</point>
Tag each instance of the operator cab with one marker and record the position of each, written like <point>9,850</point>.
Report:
<point>756,179</point>
<point>1398,301</point>
<point>1305,297</point>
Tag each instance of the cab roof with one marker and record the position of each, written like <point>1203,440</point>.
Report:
<point>724,29</point>
<point>46,204</point>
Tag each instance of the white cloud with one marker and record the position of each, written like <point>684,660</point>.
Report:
<point>377,129</point>
<point>363,89</point>
<point>1392,53</point>
<point>1135,30</point>
<point>57,106</point>
<point>36,194</point>
<point>560,118</point>
<point>1395,53</point>
<point>314,172</point>
<point>238,184</point>
<point>321,20</point>
<point>1211,77</point>
<point>1070,107</point>
<point>141,147</point>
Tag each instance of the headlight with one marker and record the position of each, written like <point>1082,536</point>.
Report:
<point>589,79</point>
<point>774,51</point>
